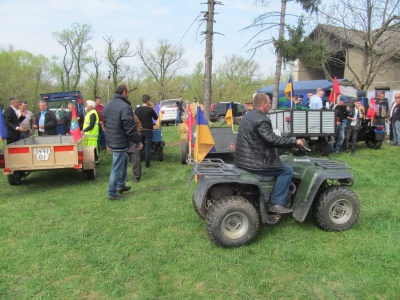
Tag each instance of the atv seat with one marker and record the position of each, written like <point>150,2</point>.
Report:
<point>262,178</point>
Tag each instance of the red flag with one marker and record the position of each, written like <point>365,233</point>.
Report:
<point>190,122</point>
<point>371,109</point>
<point>75,131</point>
<point>335,91</point>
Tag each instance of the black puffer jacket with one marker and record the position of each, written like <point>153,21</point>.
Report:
<point>119,123</point>
<point>256,143</point>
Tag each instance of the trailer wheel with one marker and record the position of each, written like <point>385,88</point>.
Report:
<point>13,179</point>
<point>184,152</point>
<point>91,174</point>
<point>232,222</point>
<point>337,209</point>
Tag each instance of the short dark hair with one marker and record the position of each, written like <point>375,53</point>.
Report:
<point>24,102</point>
<point>145,98</point>
<point>121,89</point>
<point>97,97</point>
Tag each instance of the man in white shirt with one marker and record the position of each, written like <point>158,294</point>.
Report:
<point>316,100</point>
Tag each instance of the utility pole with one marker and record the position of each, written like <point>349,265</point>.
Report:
<point>209,17</point>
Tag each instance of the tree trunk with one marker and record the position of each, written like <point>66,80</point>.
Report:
<point>208,59</point>
<point>278,66</point>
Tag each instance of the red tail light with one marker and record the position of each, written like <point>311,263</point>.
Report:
<point>2,162</point>
<point>163,111</point>
<point>80,157</point>
<point>379,127</point>
<point>80,100</point>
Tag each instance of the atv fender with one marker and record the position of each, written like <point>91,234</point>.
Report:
<point>307,193</point>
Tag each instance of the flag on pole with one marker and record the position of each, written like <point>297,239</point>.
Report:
<point>204,140</point>
<point>3,128</point>
<point>75,131</point>
<point>159,114</point>
<point>289,88</point>
<point>229,116</point>
<point>362,101</point>
<point>335,91</point>
<point>189,122</point>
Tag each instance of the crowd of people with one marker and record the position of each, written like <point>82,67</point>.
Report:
<point>128,133</point>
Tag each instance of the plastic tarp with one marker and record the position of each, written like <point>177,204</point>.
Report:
<point>305,86</point>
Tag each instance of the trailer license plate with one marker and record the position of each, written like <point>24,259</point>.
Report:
<point>42,153</point>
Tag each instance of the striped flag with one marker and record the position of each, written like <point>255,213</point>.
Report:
<point>204,140</point>
<point>289,88</point>
<point>229,116</point>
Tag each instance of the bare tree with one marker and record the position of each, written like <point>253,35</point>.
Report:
<point>162,64</point>
<point>268,21</point>
<point>95,75</point>
<point>75,42</point>
<point>114,56</point>
<point>237,78</point>
<point>370,27</point>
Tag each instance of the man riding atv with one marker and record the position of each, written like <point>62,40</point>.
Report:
<point>256,151</point>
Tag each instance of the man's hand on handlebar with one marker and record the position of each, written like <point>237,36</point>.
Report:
<point>300,143</point>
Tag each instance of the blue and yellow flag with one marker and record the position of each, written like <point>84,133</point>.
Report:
<point>3,128</point>
<point>204,140</point>
<point>229,116</point>
<point>289,88</point>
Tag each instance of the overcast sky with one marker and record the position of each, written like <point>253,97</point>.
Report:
<point>28,25</point>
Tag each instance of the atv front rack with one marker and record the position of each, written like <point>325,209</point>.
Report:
<point>210,166</point>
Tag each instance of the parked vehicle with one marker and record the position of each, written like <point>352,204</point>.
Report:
<point>373,136</point>
<point>233,201</point>
<point>168,111</point>
<point>43,153</point>
<point>219,110</point>
<point>58,102</point>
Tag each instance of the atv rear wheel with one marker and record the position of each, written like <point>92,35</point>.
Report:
<point>337,209</point>
<point>373,144</point>
<point>232,222</point>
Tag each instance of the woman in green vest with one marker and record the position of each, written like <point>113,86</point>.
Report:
<point>91,127</point>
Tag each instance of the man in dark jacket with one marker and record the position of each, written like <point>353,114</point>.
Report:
<point>13,121</point>
<point>146,114</point>
<point>46,120</point>
<point>119,124</point>
<point>256,151</point>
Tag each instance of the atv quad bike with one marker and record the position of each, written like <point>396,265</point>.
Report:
<point>233,201</point>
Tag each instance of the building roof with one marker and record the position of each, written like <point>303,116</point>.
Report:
<point>387,42</point>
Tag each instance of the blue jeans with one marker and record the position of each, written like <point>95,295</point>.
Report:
<point>101,142</point>
<point>118,174</point>
<point>340,136</point>
<point>396,132</point>
<point>282,185</point>
<point>178,117</point>
<point>147,141</point>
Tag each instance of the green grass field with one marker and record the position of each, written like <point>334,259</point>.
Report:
<point>60,238</point>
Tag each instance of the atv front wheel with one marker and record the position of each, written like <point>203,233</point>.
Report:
<point>337,209</point>
<point>232,222</point>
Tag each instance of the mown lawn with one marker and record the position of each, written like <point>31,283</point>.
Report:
<point>60,238</point>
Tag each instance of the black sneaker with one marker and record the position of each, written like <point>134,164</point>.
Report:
<point>124,189</point>
<point>116,197</point>
<point>279,209</point>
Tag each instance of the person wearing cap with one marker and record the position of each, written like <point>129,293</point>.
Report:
<point>146,114</point>
<point>341,121</point>
<point>91,127</point>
